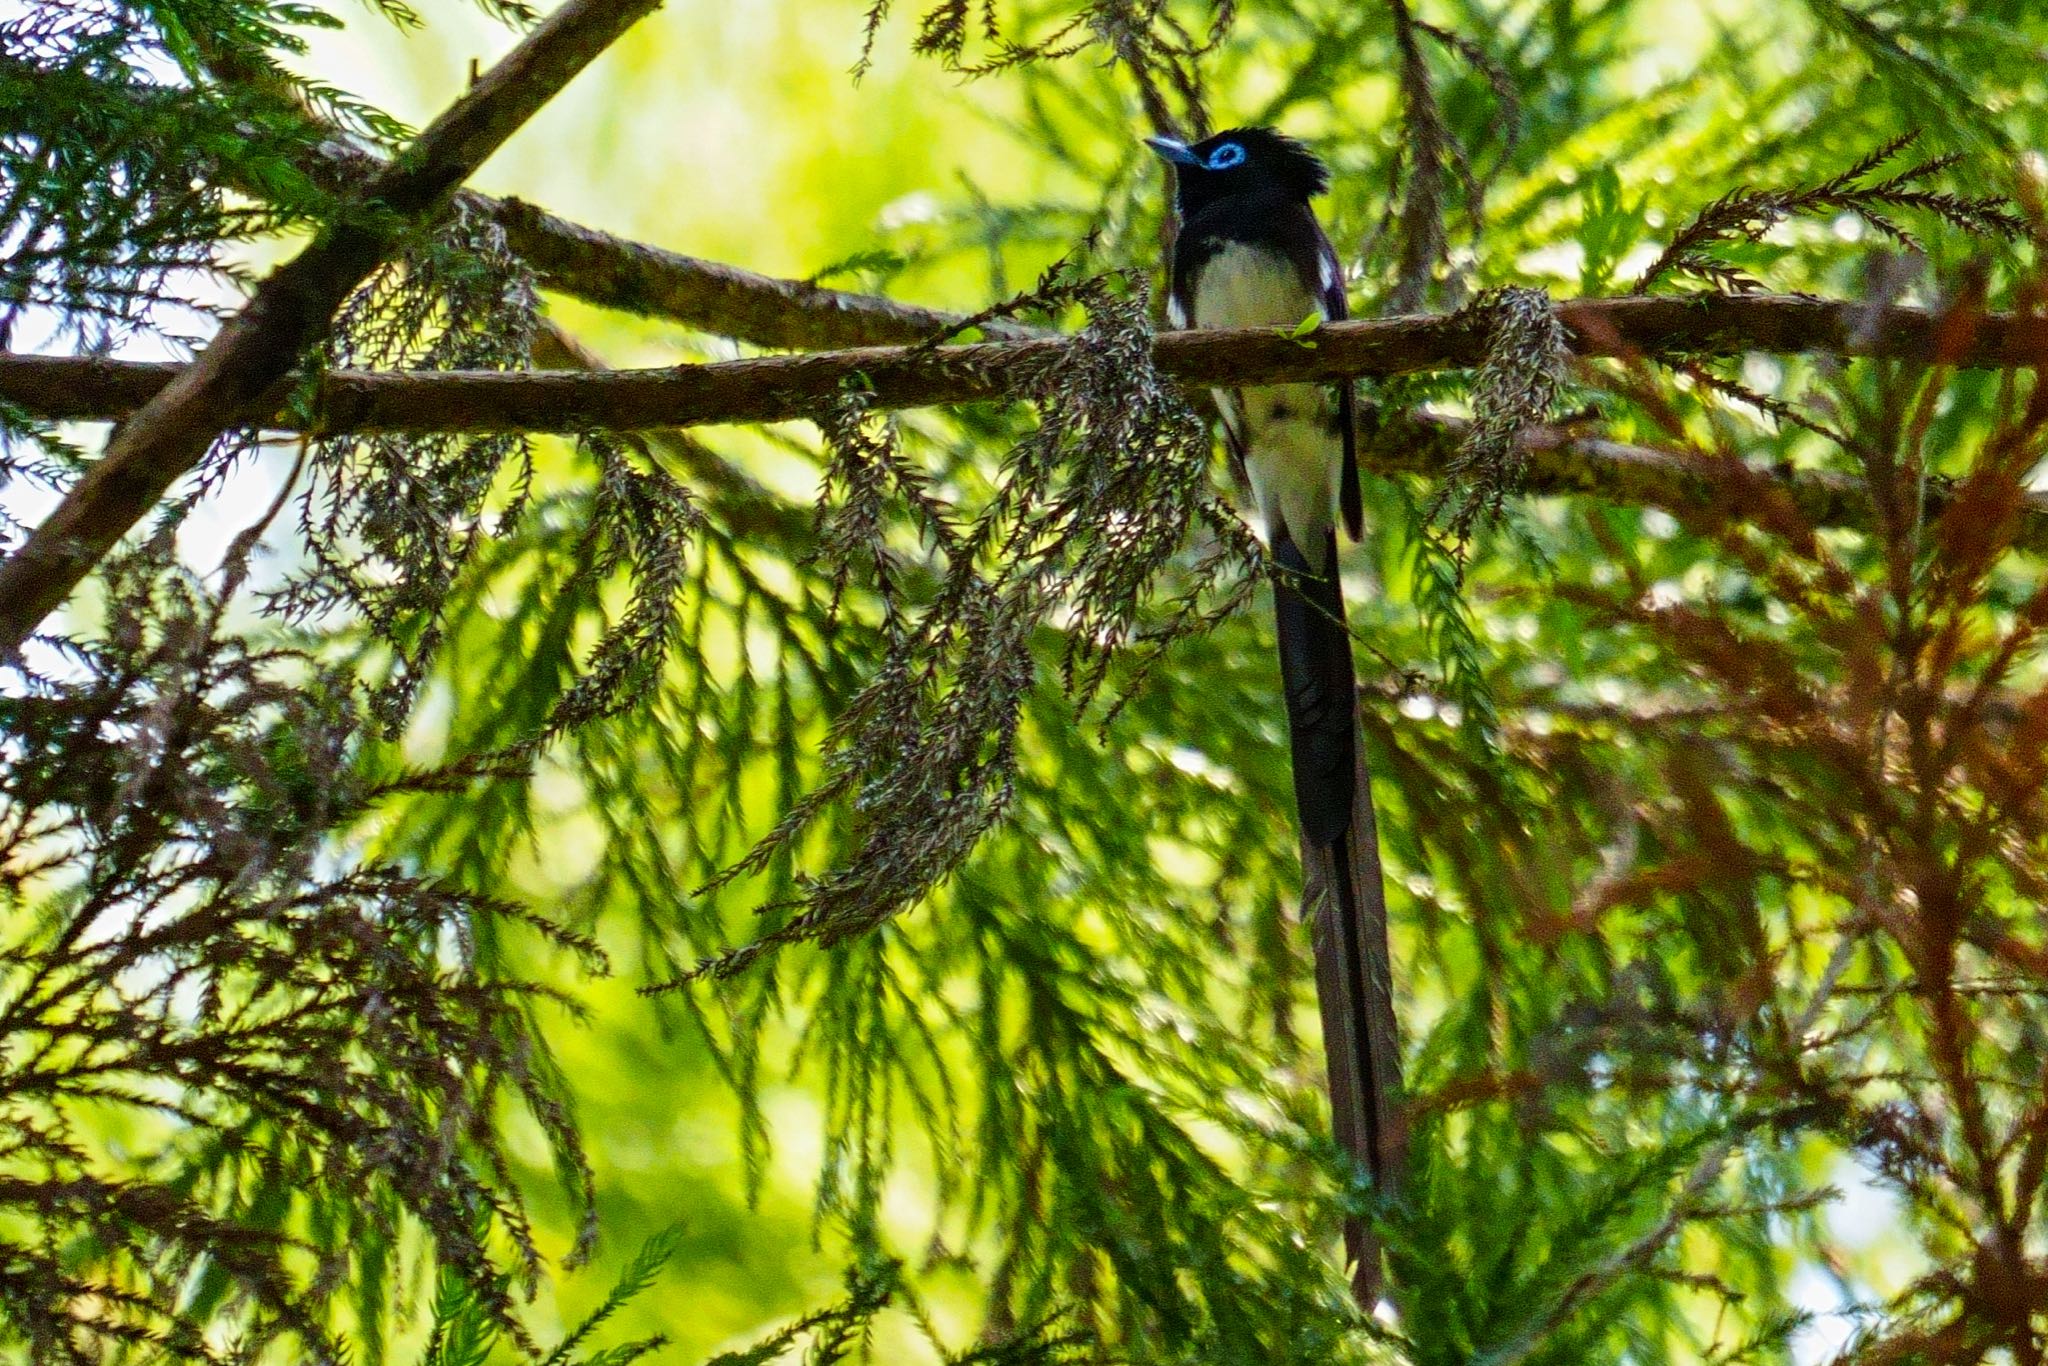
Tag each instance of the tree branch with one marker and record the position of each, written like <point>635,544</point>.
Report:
<point>743,505</point>
<point>784,388</point>
<point>727,301</point>
<point>257,348</point>
<point>1559,460</point>
<point>614,272</point>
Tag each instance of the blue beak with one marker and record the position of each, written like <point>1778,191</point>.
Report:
<point>1174,151</point>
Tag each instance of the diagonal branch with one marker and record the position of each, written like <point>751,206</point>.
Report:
<point>616,272</point>
<point>257,348</point>
<point>613,272</point>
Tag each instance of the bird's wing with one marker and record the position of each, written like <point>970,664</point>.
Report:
<point>1330,289</point>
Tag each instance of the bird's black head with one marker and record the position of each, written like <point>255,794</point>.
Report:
<point>1241,161</point>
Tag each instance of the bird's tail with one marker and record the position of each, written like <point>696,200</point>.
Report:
<point>1316,676</point>
<point>1340,855</point>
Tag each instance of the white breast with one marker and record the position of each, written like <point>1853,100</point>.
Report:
<point>1244,286</point>
<point>1292,454</point>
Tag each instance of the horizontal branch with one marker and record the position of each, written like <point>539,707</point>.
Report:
<point>781,388</point>
<point>744,506</point>
<point>1560,460</point>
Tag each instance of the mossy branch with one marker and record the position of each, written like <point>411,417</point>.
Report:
<point>725,300</point>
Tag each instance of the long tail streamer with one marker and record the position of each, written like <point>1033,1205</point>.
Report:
<point>1340,856</point>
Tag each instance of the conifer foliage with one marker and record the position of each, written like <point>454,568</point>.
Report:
<point>1703,690</point>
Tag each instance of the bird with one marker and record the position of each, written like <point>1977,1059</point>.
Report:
<point>1249,252</point>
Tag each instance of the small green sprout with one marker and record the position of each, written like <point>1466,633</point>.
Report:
<point>1302,331</point>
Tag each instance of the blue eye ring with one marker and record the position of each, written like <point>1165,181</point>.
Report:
<point>1228,155</point>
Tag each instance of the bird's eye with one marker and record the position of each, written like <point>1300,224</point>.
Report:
<point>1228,155</point>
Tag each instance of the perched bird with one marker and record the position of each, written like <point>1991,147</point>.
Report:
<point>1249,253</point>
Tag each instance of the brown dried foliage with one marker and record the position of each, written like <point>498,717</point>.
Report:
<point>1093,505</point>
<point>1843,799</point>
